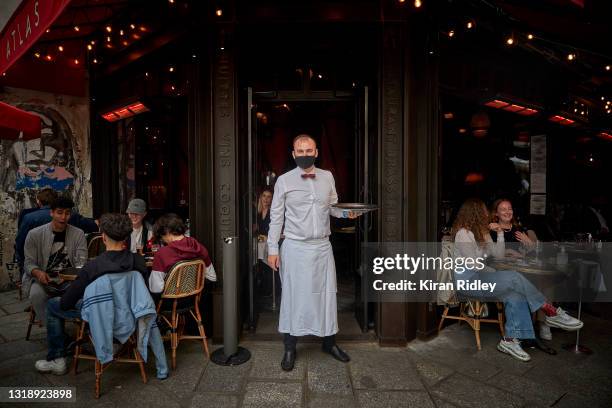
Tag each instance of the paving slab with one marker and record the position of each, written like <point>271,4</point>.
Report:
<point>12,296</point>
<point>273,395</point>
<point>532,391</point>
<point>214,400</point>
<point>430,371</point>
<point>330,401</point>
<point>20,348</point>
<point>466,392</point>
<point>383,370</point>
<point>327,375</point>
<point>266,363</point>
<point>230,379</point>
<point>393,399</point>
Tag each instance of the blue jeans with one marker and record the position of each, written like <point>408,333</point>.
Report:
<point>55,326</point>
<point>519,296</point>
<point>56,335</point>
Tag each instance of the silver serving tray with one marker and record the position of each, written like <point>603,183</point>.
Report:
<point>360,208</point>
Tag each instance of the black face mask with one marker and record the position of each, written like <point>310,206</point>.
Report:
<point>305,162</point>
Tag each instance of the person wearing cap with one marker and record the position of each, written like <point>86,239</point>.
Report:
<point>141,232</point>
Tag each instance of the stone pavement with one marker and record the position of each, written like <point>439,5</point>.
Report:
<point>446,371</point>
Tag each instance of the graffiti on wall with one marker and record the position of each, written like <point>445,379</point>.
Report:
<point>58,159</point>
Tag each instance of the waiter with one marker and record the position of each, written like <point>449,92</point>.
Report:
<point>302,201</point>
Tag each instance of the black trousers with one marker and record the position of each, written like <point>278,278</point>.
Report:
<point>291,341</point>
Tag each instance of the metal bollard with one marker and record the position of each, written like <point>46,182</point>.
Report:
<point>230,353</point>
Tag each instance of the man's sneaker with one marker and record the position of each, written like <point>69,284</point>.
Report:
<point>513,347</point>
<point>564,321</point>
<point>545,333</point>
<point>57,366</point>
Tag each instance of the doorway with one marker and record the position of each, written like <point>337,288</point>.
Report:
<point>338,126</point>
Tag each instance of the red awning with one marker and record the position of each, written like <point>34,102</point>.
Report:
<point>26,25</point>
<point>13,121</point>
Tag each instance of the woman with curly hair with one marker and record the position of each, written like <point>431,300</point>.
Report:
<point>471,232</point>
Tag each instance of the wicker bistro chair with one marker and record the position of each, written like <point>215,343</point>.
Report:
<point>185,282</point>
<point>31,320</point>
<point>95,245</point>
<point>471,311</point>
<point>127,353</point>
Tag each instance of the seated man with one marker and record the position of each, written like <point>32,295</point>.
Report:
<point>171,230</point>
<point>44,198</point>
<point>115,229</point>
<point>49,249</point>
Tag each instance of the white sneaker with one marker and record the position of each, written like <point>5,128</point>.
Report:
<point>57,366</point>
<point>545,333</point>
<point>564,321</point>
<point>513,347</point>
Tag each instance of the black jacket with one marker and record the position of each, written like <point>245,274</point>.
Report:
<point>106,262</point>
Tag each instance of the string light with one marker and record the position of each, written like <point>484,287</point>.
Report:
<point>219,12</point>
<point>89,47</point>
<point>109,28</point>
<point>171,69</point>
<point>76,61</point>
<point>76,28</point>
<point>143,28</point>
<point>469,25</point>
<point>607,67</point>
<point>60,48</point>
<point>417,3</point>
<point>571,57</point>
<point>93,42</point>
<point>120,32</point>
<point>510,41</point>
<point>132,26</point>
<point>108,39</point>
<point>530,36</point>
<point>95,61</point>
<point>37,54</point>
<point>49,57</point>
<point>451,33</point>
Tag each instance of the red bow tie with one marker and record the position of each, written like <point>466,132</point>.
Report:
<point>308,175</point>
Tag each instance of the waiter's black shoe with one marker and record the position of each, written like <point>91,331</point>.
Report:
<point>288,360</point>
<point>337,353</point>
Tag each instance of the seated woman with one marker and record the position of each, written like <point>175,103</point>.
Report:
<point>171,230</point>
<point>503,214</point>
<point>473,240</point>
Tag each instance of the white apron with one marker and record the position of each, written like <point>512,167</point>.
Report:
<point>308,277</point>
